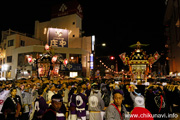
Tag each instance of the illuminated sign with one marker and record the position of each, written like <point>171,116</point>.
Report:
<point>57,37</point>
<point>91,62</point>
<point>93,42</point>
<point>69,67</point>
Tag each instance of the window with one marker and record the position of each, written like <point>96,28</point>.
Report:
<point>9,59</point>
<point>10,67</point>
<point>3,60</point>
<point>75,58</point>
<point>5,46</point>
<point>10,43</point>
<point>22,43</point>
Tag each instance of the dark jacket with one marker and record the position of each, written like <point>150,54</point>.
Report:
<point>10,106</point>
<point>50,114</point>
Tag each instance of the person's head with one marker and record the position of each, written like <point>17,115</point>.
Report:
<point>73,90</point>
<point>13,92</point>
<point>69,86</point>
<point>83,85</point>
<point>118,97</point>
<point>22,87</point>
<point>56,101</point>
<point>40,91</point>
<point>28,85</point>
<point>79,89</point>
<point>64,85</point>
<point>95,88</point>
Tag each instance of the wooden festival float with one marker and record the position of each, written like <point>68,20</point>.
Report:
<point>139,62</point>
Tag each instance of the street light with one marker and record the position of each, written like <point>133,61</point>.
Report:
<point>104,44</point>
<point>93,54</point>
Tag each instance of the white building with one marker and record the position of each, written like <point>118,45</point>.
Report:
<point>15,46</point>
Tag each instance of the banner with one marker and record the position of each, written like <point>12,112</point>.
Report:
<point>57,37</point>
<point>70,67</point>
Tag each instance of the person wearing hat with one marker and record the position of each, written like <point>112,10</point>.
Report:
<point>96,104</point>
<point>55,111</point>
<point>116,110</point>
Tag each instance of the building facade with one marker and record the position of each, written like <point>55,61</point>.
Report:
<point>172,24</point>
<point>16,46</point>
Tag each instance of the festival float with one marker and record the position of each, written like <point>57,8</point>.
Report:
<point>48,64</point>
<point>139,62</point>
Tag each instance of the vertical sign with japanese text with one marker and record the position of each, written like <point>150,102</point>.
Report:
<point>57,37</point>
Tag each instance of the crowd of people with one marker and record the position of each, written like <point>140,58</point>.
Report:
<point>87,100</point>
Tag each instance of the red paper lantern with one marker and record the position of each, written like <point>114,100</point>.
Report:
<point>46,47</point>
<point>65,61</point>
<point>54,59</point>
<point>30,59</point>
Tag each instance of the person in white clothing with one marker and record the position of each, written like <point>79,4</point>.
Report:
<point>50,94</point>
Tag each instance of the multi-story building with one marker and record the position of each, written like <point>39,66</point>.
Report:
<point>15,46</point>
<point>172,24</point>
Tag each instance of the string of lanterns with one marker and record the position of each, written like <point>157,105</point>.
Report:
<point>106,66</point>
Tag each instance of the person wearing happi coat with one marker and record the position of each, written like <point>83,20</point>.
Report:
<point>72,106</point>
<point>81,101</point>
<point>96,105</point>
<point>116,110</point>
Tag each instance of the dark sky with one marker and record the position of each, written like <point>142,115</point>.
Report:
<point>118,23</point>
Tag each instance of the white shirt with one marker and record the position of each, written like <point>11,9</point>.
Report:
<point>49,95</point>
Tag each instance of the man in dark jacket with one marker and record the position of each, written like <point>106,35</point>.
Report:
<point>12,106</point>
<point>57,110</point>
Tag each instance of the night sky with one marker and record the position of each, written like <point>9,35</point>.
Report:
<point>117,23</point>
